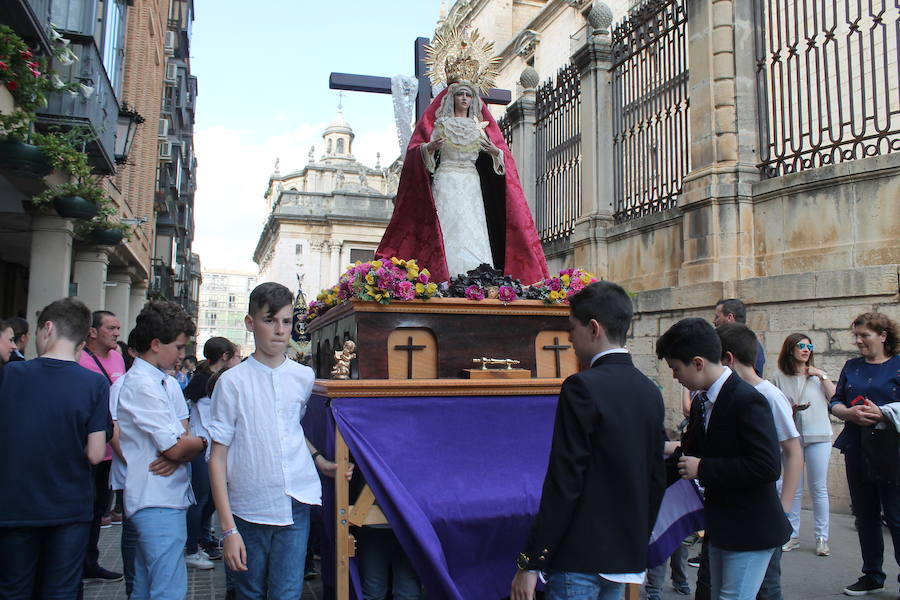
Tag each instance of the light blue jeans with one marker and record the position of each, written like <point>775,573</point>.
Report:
<point>159,569</point>
<point>276,556</point>
<point>737,575</point>
<point>566,585</point>
<point>815,458</point>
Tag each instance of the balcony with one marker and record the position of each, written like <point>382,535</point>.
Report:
<point>162,281</point>
<point>29,19</point>
<point>98,112</point>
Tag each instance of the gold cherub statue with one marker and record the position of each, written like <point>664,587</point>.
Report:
<point>342,360</point>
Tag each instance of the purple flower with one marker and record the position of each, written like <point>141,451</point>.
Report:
<point>506,294</point>
<point>473,292</point>
<point>554,284</point>
<point>406,290</point>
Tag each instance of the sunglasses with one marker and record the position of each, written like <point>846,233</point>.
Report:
<point>802,346</point>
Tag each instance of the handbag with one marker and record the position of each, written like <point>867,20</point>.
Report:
<point>881,454</point>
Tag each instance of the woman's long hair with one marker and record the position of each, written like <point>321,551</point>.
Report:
<point>786,362</point>
<point>214,350</point>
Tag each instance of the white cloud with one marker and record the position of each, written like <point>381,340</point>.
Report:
<point>233,172</point>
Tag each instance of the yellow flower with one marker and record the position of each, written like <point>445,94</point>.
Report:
<point>431,288</point>
<point>412,274</point>
<point>376,263</point>
<point>370,279</point>
<point>426,272</point>
<point>395,260</point>
<point>586,278</point>
<point>565,280</point>
<point>420,288</point>
<point>554,295</point>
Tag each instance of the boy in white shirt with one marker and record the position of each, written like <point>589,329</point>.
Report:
<point>155,445</point>
<point>739,348</point>
<point>262,468</point>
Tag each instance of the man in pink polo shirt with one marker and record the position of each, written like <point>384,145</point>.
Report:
<point>101,355</point>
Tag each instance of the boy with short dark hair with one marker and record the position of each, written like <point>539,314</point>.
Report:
<point>156,447</point>
<point>53,422</point>
<point>731,447</point>
<point>262,469</point>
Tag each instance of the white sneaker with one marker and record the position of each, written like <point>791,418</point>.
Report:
<point>198,561</point>
<point>791,544</point>
<point>822,548</point>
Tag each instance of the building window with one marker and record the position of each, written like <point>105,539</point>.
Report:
<point>231,301</point>
<point>361,255</point>
<point>340,146</point>
<point>328,147</point>
<point>298,249</point>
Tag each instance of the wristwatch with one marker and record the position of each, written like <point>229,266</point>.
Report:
<point>522,561</point>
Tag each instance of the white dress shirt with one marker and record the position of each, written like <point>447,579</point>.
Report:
<point>256,412</point>
<point>712,393</point>
<point>176,397</point>
<point>149,423</point>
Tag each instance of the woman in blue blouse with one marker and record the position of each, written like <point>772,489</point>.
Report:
<point>866,383</point>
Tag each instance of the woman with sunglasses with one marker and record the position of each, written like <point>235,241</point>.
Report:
<point>809,389</point>
<point>868,383</point>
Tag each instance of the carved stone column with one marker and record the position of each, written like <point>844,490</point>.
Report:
<point>89,275</point>
<point>50,267</point>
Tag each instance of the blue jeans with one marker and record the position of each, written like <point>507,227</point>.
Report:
<point>42,562</point>
<point>276,555</point>
<point>382,561</point>
<point>770,589</point>
<point>128,546</point>
<point>195,514</point>
<point>566,585</point>
<point>159,569</point>
<point>737,575</point>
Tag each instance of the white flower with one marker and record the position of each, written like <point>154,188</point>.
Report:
<point>86,90</point>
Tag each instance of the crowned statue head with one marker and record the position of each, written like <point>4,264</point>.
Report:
<point>462,59</point>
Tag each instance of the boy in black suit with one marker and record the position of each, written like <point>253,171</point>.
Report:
<point>606,478</point>
<point>732,448</point>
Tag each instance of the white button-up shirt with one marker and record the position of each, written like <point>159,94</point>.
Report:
<point>256,412</point>
<point>149,423</point>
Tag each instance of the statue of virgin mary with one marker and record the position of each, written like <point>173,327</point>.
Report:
<point>459,202</point>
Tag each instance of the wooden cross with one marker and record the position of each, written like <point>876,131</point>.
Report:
<point>557,348</point>
<point>382,85</point>
<point>410,348</point>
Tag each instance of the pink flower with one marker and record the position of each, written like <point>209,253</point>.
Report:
<point>473,292</point>
<point>423,278</point>
<point>406,290</point>
<point>507,294</point>
<point>11,85</point>
<point>576,285</point>
<point>25,54</point>
<point>554,284</point>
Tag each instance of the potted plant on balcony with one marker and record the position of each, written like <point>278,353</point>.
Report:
<point>83,195</point>
<point>104,229</point>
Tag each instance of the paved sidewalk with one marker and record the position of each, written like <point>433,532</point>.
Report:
<point>804,575</point>
<point>202,585</point>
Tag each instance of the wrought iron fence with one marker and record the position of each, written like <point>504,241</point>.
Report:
<point>505,129</point>
<point>651,134</point>
<point>558,155</point>
<point>827,82</point>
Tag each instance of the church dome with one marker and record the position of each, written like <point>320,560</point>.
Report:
<point>338,137</point>
<point>339,125</point>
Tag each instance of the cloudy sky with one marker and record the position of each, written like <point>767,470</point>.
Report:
<point>263,94</point>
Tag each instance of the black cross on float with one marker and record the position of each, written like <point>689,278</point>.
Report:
<point>557,348</point>
<point>410,348</point>
<point>382,85</point>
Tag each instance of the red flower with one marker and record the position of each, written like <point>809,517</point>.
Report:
<point>3,66</point>
<point>36,73</point>
<point>25,54</point>
<point>11,85</point>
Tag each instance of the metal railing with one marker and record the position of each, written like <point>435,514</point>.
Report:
<point>651,137</point>
<point>558,155</point>
<point>827,82</point>
<point>505,129</point>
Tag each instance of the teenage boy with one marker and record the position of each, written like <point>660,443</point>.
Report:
<point>605,479</point>
<point>156,446</point>
<point>53,422</point>
<point>20,337</point>
<point>101,355</point>
<point>732,448</point>
<point>7,342</point>
<point>738,352</point>
<point>262,469</point>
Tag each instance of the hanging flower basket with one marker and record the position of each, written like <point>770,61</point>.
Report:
<point>107,237</point>
<point>22,158</point>
<point>75,207</point>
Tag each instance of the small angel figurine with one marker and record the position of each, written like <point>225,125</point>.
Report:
<point>342,360</point>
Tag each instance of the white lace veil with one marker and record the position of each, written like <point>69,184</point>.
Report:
<point>446,107</point>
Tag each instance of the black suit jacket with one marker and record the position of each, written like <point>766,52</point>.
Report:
<point>740,460</point>
<point>605,479</point>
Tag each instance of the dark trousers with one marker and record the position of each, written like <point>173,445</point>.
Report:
<point>42,562</point>
<point>771,585</point>
<point>703,590</point>
<point>869,500</point>
<point>198,515</point>
<point>102,497</point>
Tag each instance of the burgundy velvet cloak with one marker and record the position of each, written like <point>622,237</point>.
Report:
<point>414,230</point>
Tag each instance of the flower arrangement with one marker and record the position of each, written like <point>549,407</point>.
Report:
<point>379,281</point>
<point>557,289</point>
<point>485,282</point>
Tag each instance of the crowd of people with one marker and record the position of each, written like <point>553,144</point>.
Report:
<point>96,431</point>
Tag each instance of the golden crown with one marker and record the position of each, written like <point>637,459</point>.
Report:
<point>460,54</point>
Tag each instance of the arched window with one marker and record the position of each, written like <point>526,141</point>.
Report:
<point>340,146</point>
<point>328,147</point>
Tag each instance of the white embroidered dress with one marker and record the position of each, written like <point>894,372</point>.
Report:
<point>457,192</point>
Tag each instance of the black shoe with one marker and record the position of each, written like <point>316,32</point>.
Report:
<point>864,585</point>
<point>212,550</point>
<point>694,561</point>
<point>99,574</point>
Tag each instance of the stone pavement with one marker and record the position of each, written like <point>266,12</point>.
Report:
<point>202,585</point>
<point>804,575</point>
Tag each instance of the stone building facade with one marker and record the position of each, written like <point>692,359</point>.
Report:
<point>807,237</point>
<point>324,216</point>
<point>224,297</point>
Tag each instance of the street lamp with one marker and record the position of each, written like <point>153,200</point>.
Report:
<point>126,127</point>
